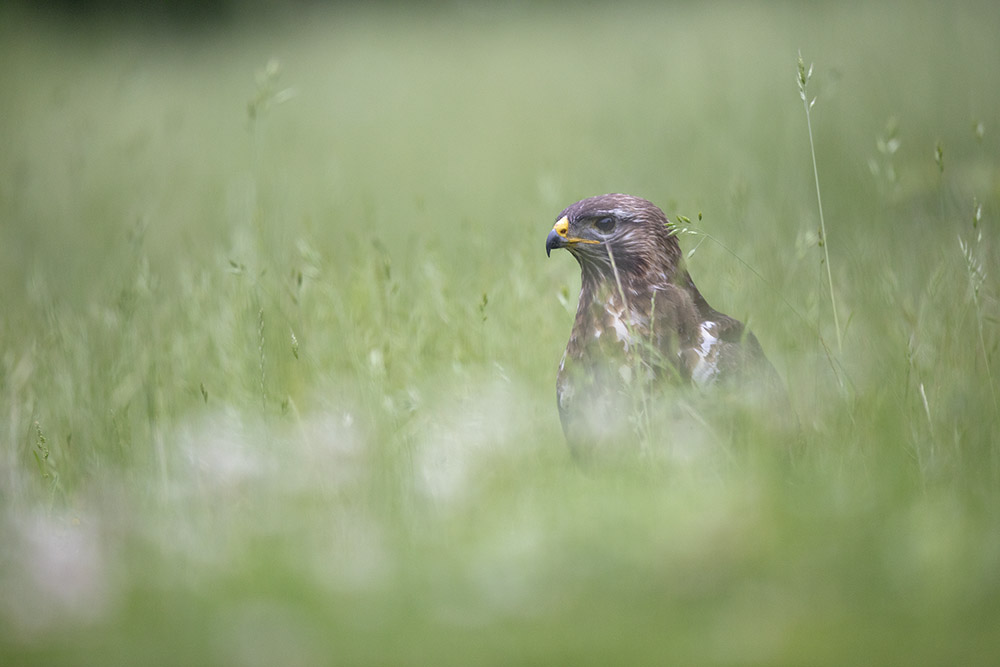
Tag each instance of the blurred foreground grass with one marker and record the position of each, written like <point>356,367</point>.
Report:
<point>278,353</point>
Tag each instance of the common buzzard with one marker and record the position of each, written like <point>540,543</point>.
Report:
<point>640,324</point>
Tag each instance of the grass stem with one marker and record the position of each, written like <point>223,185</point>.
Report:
<point>807,104</point>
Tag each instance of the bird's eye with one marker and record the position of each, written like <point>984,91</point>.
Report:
<point>605,224</point>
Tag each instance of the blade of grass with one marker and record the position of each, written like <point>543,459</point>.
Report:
<point>807,104</point>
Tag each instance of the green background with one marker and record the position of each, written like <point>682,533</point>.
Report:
<point>279,337</point>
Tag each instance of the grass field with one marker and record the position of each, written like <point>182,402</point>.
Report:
<point>279,336</point>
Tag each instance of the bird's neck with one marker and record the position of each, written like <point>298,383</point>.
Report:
<point>629,290</point>
<point>620,309</point>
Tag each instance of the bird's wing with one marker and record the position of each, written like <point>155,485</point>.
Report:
<point>726,351</point>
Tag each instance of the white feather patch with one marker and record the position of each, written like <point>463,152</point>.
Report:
<point>621,330</point>
<point>706,369</point>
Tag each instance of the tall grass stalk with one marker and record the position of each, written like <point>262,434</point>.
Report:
<point>807,104</point>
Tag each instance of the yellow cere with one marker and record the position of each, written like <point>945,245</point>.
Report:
<point>562,229</point>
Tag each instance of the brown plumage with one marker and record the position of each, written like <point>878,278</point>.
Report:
<point>640,322</point>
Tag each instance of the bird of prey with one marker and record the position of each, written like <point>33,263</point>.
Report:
<point>640,323</point>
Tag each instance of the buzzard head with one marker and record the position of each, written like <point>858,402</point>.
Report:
<point>616,231</point>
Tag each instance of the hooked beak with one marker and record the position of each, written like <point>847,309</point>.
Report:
<point>559,237</point>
